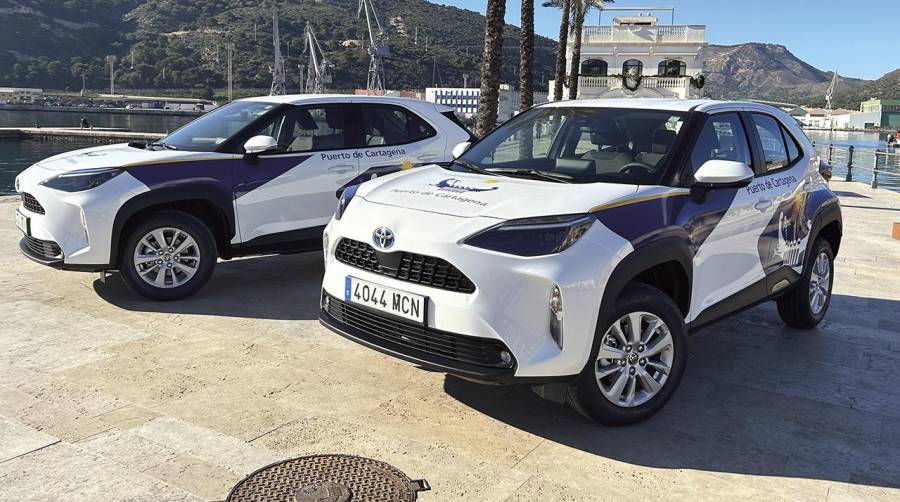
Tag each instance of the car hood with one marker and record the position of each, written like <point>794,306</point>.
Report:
<point>470,195</point>
<point>119,155</point>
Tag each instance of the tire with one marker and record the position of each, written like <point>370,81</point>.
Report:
<point>801,307</point>
<point>635,402</point>
<point>179,280</point>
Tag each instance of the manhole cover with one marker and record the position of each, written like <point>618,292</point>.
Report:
<point>328,478</point>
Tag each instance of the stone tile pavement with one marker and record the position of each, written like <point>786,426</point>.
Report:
<point>104,396</point>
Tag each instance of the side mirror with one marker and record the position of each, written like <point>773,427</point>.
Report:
<point>460,149</point>
<point>723,174</point>
<point>259,144</point>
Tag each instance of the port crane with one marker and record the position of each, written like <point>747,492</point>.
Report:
<point>318,73</point>
<point>278,76</point>
<point>377,49</point>
<point>829,95</point>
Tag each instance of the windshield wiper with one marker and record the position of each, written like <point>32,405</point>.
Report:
<point>161,144</point>
<point>551,176</point>
<point>474,168</point>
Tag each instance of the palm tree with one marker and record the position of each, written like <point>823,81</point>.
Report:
<point>580,9</point>
<point>560,70</point>
<point>526,56</point>
<point>491,65</point>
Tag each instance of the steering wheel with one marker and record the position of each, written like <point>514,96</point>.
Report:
<point>647,169</point>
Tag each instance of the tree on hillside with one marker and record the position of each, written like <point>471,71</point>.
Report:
<point>491,66</point>
<point>580,9</point>
<point>560,70</point>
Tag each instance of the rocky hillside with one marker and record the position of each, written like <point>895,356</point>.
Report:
<point>180,43</point>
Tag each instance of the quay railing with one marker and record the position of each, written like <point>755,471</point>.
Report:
<point>873,166</point>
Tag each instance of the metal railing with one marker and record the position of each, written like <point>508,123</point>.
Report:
<point>873,166</point>
<point>643,34</point>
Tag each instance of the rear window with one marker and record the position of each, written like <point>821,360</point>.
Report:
<point>453,118</point>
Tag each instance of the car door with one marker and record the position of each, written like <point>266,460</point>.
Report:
<point>289,193</point>
<point>395,137</point>
<point>784,241</point>
<point>725,225</point>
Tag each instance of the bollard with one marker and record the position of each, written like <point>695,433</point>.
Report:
<point>830,152</point>
<point>850,163</point>
<point>875,169</point>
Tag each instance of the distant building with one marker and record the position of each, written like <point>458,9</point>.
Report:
<point>638,57</point>
<point>877,113</point>
<point>464,100</point>
<point>13,95</point>
<point>819,118</point>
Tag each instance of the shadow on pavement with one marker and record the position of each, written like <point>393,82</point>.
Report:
<point>757,398</point>
<point>268,287</point>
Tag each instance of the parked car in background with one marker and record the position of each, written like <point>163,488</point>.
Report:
<point>581,241</point>
<point>260,175</point>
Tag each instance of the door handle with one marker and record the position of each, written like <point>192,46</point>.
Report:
<point>763,204</point>
<point>342,168</point>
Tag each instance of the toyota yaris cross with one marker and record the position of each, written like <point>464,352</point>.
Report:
<point>581,241</point>
<point>259,175</point>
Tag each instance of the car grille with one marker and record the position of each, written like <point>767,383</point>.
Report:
<point>31,203</point>
<point>409,267</point>
<point>389,332</point>
<point>44,249</point>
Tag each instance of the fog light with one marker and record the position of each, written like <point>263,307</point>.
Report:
<point>326,302</point>
<point>505,358</point>
<point>556,316</point>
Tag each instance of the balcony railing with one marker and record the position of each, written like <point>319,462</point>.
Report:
<point>644,34</point>
<point>646,82</point>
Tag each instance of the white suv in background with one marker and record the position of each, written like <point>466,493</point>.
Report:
<point>259,175</point>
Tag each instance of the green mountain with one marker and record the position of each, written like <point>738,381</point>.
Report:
<point>179,43</point>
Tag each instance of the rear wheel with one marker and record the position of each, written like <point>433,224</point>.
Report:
<point>168,256</point>
<point>806,304</point>
<point>639,359</point>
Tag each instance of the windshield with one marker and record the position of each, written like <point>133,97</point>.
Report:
<point>581,145</point>
<point>209,131</point>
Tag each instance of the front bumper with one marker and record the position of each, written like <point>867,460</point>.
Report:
<point>510,303</point>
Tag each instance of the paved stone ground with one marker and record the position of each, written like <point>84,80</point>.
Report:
<point>104,396</point>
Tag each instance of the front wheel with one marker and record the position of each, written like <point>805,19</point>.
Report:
<point>804,306</point>
<point>638,360</point>
<point>168,256</point>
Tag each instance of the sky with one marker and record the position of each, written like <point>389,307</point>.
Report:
<point>858,39</point>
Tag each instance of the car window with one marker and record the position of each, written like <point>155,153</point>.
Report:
<point>582,144</point>
<point>722,138</point>
<point>772,140</point>
<point>209,131</point>
<point>306,128</point>
<point>393,125</point>
<point>793,150</point>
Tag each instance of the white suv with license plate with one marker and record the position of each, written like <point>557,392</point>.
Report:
<point>581,241</point>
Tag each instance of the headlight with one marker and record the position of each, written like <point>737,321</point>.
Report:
<point>344,200</point>
<point>533,236</point>
<point>84,179</point>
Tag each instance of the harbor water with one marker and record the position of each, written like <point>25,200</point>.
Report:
<point>16,154</point>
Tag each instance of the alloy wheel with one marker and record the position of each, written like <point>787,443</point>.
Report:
<point>819,283</point>
<point>635,359</point>
<point>166,257</point>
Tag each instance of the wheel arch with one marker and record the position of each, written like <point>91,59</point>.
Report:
<point>829,225</point>
<point>208,203</point>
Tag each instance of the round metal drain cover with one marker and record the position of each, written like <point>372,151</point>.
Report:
<point>328,478</point>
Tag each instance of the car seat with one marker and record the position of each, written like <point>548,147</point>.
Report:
<point>611,153</point>
<point>334,118</point>
<point>660,146</point>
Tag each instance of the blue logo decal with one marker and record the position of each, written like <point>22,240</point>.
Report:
<point>347,287</point>
<point>454,185</point>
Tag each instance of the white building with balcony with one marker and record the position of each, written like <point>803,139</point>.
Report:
<point>464,100</point>
<point>637,56</point>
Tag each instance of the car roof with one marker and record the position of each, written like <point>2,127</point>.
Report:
<point>297,99</point>
<point>676,105</point>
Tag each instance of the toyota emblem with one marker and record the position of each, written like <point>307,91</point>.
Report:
<point>383,238</point>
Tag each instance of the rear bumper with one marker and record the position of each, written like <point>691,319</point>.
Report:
<point>375,335</point>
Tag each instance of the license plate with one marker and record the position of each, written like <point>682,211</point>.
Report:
<point>389,300</point>
<point>23,223</point>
